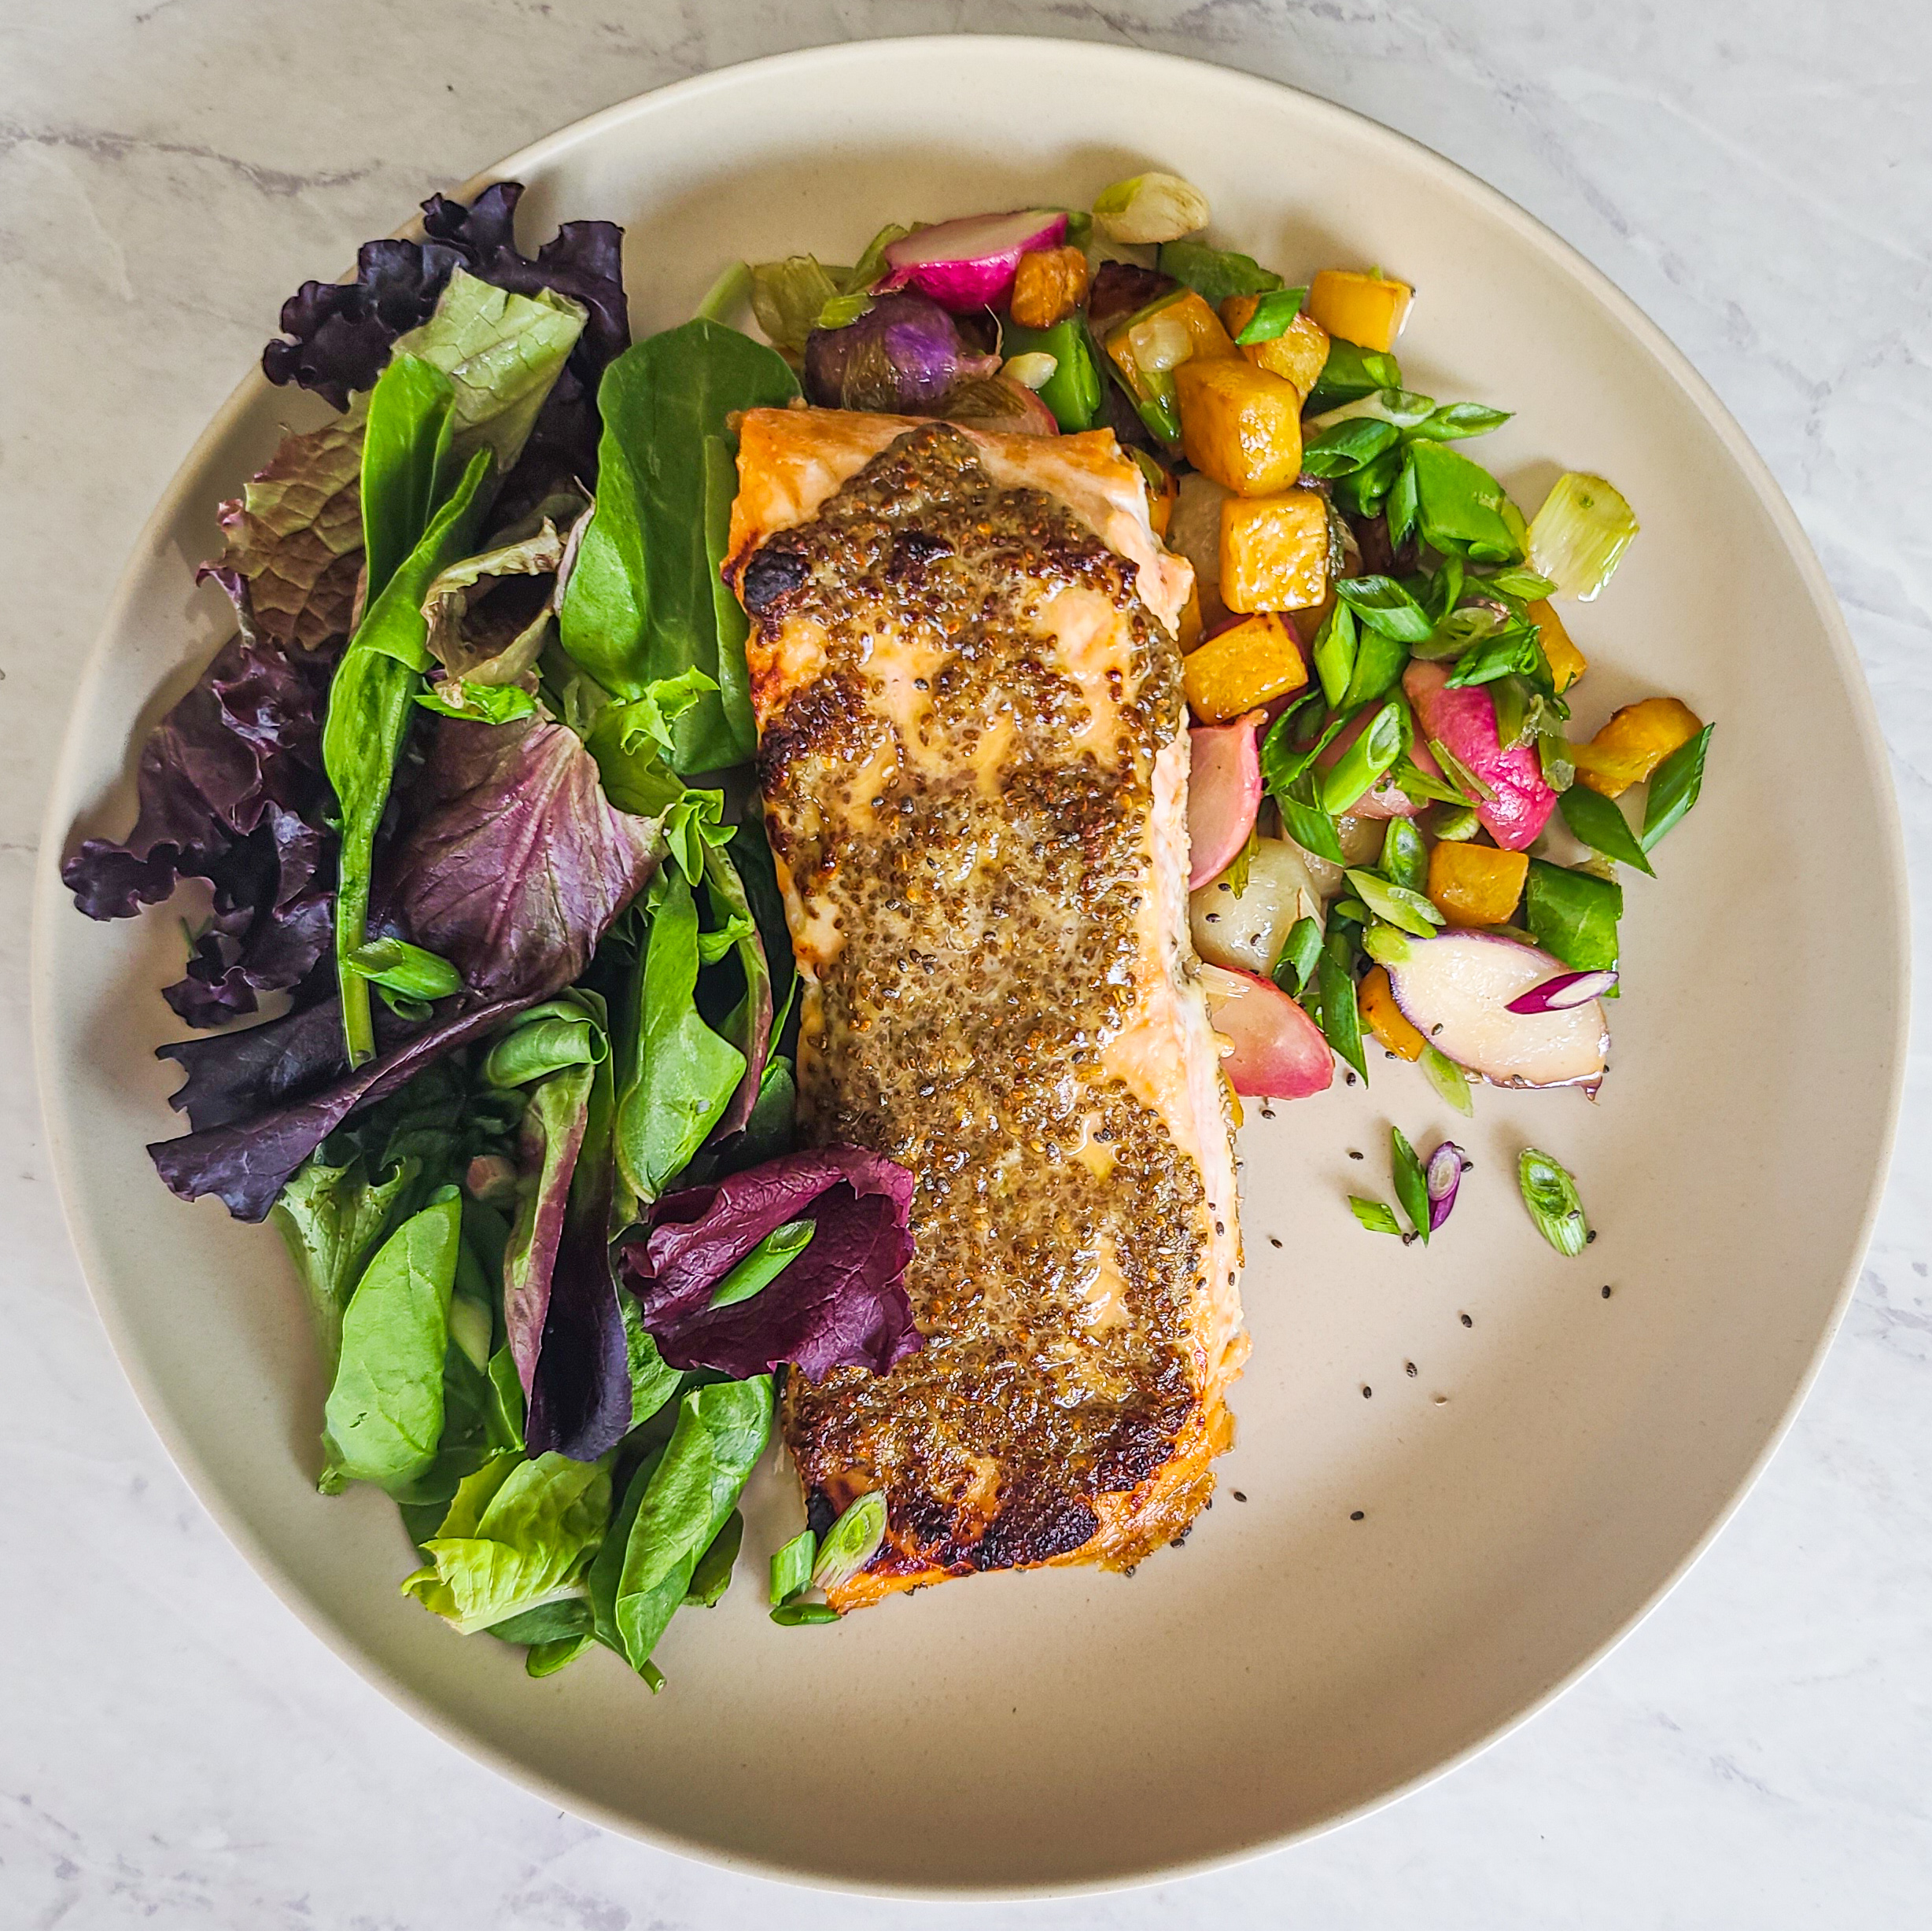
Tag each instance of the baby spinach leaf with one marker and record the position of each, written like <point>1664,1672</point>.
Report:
<point>721,1431</point>
<point>384,1412</point>
<point>712,1575</point>
<point>642,603</point>
<point>560,1034</point>
<point>402,967</point>
<point>653,1380</point>
<point>680,1076</point>
<point>1573,914</point>
<point>518,1536</point>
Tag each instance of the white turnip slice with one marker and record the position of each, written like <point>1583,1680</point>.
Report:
<point>1455,991</point>
<point>1245,930</point>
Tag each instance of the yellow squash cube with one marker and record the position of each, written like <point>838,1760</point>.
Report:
<point>1242,668</point>
<point>1636,740</point>
<point>1368,310</point>
<point>1567,663</point>
<point>1297,354</point>
<point>1128,342</point>
<point>1476,885</point>
<point>1239,425</point>
<point>1274,551</point>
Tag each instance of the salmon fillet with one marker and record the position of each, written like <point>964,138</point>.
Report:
<point>974,768</point>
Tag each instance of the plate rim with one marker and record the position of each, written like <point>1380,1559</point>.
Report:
<point>49,901</point>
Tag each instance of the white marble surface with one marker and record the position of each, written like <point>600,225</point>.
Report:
<point>174,1748</point>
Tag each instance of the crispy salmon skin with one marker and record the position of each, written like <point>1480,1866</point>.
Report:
<point>973,761</point>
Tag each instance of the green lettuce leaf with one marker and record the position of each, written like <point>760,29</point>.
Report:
<point>503,352</point>
<point>330,1218</point>
<point>519,1533</point>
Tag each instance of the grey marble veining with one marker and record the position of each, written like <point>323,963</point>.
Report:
<point>174,1748</point>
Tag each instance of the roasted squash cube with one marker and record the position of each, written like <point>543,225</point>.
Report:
<point>1476,885</point>
<point>1239,423</point>
<point>1636,740</point>
<point>1368,310</point>
<point>1191,626</point>
<point>1249,664</point>
<point>1274,551</point>
<point>1165,335</point>
<point>1049,285</point>
<point>1297,354</point>
<point>1385,1019</point>
<point>1567,663</point>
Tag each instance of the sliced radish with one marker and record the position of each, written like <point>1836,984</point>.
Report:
<point>1456,991</point>
<point>1223,795</point>
<point>970,263</point>
<point>1277,1051</point>
<point>1384,799</point>
<point>1465,722</point>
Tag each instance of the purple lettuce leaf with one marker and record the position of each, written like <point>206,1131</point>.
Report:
<point>514,862</point>
<point>343,331</point>
<point>230,789</point>
<point>246,1158</point>
<point>547,1153</point>
<point>841,1304</point>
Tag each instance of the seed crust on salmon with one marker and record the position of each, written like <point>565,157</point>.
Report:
<point>973,758</point>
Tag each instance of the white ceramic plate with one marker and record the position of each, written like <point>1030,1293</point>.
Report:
<point>1535,1463</point>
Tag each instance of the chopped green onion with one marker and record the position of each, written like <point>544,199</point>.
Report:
<point>728,293</point>
<point>1149,208</point>
<point>1334,652</point>
<point>1407,911</point>
<point>1374,1215</point>
<point>1451,1082</point>
<point>1411,1186</point>
<point>791,1567</point>
<point>764,1263</point>
<point>1600,824</point>
<point>1274,315</point>
<point>1519,582</point>
<point>1455,420</point>
<point>1215,274</point>
<point>1550,1195</point>
<point>1351,371</point>
<point>842,311</point>
<point>851,1541</point>
<point>1382,604</point>
<point>1579,535</point>
<point>407,970</point>
<point>1353,774</point>
<point>1459,774</point>
<point>1341,1018</point>
<point>1386,946</point>
<point>791,1615</point>
<point>1033,371</point>
<point>1456,827</point>
<point>1299,952</point>
<point>1405,857</point>
<point>1674,788</point>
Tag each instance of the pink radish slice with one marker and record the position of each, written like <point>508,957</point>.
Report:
<point>1278,1051</point>
<point>970,263</point>
<point>1455,991</point>
<point>1464,720</point>
<point>1383,799</point>
<point>1223,795</point>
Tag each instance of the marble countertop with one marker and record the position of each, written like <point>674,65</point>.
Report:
<point>174,1748</point>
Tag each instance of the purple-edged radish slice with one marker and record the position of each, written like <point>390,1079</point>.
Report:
<point>1442,1177</point>
<point>1276,1052</point>
<point>1223,795</point>
<point>1566,990</point>
<point>970,263</point>
<point>1456,991</point>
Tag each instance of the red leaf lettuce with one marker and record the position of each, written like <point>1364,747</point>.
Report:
<point>841,1304</point>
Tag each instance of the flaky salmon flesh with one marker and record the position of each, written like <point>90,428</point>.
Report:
<point>973,758</point>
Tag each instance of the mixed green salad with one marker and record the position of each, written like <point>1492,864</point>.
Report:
<point>466,791</point>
